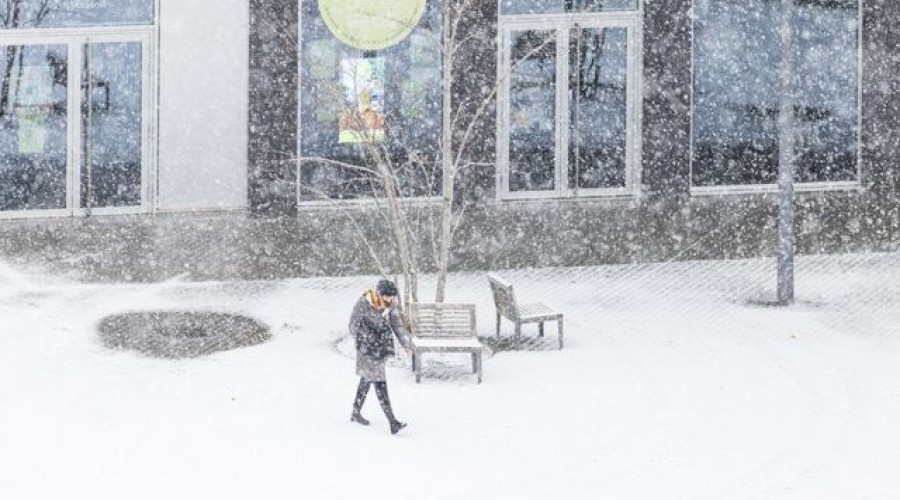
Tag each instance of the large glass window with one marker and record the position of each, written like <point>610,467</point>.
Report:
<point>64,13</point>
<point>509,7</point>
<point>75,106</point>
<point>112,124</point>
<point>532,111</point>
<point>567,113</point>
<point>369,109</point>
<point>736,95</point>
<point>73,125</point>
<point>33,141</point>
<point>597,107</point>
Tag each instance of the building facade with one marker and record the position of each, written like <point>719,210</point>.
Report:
<point>236,139</point>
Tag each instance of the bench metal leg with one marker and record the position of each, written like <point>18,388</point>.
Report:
<point>417,366</point>
<point>518,329</point>
<point>498,324</point>
<point>559,327</point>
<point>479,363</point>
<point>541,329</point>
<point>474,362</point>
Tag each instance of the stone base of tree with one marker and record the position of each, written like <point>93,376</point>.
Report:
<point>180,334</point>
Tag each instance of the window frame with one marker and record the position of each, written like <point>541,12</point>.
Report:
<point>305,204</point>
<point>632,21</point>
<point>639,4</point>
<point>75,38</point>
<point>88,26</point>
<point>818,186</point>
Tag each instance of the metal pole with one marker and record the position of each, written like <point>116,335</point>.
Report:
<point>786,160</point>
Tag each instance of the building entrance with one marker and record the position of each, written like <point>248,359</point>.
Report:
<point>75,123</point>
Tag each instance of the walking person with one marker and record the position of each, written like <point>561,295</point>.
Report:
<point>374,322</point>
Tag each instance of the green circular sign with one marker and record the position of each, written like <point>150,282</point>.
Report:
<point>371,24</point>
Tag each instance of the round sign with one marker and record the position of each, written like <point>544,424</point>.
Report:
<point>371,24</point>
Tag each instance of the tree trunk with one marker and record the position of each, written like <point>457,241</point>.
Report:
<point>448,168</point>
<point>397,218</point>
<point>11,52</point>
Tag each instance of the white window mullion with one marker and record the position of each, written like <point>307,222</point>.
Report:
<point>634,142</point>
<point>73,179</point>
<point>629,106</point>
<point>502,170</point>
<point>562,108</point>
<point>147,128</point>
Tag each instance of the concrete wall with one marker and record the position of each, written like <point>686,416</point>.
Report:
<point>273,113</point>
<point>666,127</point>
<point>881,94</point>
<point>203,89</point>
<point>220,246</point>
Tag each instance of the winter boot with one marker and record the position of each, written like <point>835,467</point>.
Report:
<point>396,425</point>
<point>385,400</point>
<point>361,392</point>
<point>359,419</point>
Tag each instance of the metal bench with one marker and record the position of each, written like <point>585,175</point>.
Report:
<point>509,308</point>
<point>441,327</point>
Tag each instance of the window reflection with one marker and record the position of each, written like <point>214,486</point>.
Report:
<point>33,104</point>
<point>62,13</point>
<point>400,89</point>
<point>532,111</point>
<point>736,91</point>
<point>597,107</point>
<point>111,125</point>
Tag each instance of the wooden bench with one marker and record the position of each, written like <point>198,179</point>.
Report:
<point>443,327</point>
<point>509,308</point>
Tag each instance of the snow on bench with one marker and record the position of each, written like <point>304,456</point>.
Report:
<point>509,308</point>
<point>443,327</point>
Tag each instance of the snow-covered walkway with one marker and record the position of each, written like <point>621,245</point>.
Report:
<point>677,382</point>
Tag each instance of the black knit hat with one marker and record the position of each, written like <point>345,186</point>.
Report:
<point>386,288</point>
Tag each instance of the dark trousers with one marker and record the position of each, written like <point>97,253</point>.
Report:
<point>380,391</point>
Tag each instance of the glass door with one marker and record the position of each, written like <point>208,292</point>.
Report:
<point>74,124</point>
<point>34,144</point>
<point>112,125</point>
<point>568,107</point>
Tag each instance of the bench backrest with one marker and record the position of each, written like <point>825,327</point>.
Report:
<point>441,319</point>
<point>504,297</point>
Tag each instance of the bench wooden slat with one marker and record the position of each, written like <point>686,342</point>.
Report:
<point>534,312</point>
<point>460,329</point>
<point>440,332</point>
<point>461,320</point>
<point>448,343</point>
<point>443,327</point>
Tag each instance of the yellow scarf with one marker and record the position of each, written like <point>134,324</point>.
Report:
<point>376,300</point>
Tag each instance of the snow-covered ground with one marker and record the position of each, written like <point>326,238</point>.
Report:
<point>678,381</point>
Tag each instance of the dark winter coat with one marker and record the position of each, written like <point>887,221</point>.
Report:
<point>373,332</point>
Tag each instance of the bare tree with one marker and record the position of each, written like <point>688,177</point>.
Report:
<point>460,119</point>
<point>14,17</point>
